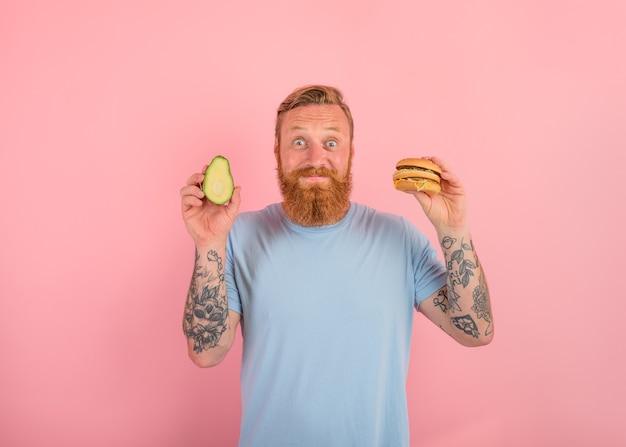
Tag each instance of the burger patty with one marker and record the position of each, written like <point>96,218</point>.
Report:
<point>417,168</point>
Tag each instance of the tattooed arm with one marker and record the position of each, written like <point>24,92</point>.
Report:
<point>208,324</point>
<point>462,308</point>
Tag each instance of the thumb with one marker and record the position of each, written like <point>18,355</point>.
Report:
<point>233,204</point>
<point>424,200</point>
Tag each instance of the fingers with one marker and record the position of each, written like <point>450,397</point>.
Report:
<point>445,167</point>
<point>188,201</point>
<point>191,194</point>
<point>447,173</point>
<point>191,191</point>
<point>192,187</point>
<point>196,179</point>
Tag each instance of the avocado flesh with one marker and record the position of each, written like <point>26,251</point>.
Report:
<point>218,185</point>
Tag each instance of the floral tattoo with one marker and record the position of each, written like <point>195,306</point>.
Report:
<point>462,265</point>
<point>206,309</point>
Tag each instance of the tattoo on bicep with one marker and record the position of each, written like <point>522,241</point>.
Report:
<point>206,309</point>
<point>443,302</point>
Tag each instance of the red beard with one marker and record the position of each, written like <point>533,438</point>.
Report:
<point>314,205</point>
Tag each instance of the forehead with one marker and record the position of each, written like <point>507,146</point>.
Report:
<point>324,117</point>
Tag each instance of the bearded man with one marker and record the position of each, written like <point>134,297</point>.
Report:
<point>325,289</point>
<point>314,152</point>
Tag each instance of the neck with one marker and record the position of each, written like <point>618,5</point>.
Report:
<point>315,216</point>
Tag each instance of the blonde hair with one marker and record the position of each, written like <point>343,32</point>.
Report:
<point>312,95</point>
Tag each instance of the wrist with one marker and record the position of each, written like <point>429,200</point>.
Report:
<point>452,231</point>
<point>205,246</point>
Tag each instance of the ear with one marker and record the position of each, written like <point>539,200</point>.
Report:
<point>276,146</point>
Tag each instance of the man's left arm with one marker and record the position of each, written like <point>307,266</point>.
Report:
<point>462,308</point>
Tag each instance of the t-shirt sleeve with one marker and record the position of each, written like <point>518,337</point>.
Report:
<point>429,272</point>
<point>234,300</point>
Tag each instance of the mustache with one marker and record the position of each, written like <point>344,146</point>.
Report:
<point>311,171</point>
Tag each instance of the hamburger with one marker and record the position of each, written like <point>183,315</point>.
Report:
<point>417,174</point>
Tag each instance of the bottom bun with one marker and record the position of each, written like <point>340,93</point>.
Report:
<point>428,186</point>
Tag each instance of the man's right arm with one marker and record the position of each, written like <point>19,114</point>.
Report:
<point>208,324</point>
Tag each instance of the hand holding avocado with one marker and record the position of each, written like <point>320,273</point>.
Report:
<point>210,203</point>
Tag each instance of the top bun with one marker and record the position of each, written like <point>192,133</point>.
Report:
<point>418,163</point>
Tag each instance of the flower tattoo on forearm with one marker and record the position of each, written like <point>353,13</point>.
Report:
<point>463,267</point>
<point>206,309</point>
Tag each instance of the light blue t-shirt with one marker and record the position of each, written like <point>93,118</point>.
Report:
<point>327,317</point>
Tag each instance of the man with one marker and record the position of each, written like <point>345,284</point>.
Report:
<point>325,289</point>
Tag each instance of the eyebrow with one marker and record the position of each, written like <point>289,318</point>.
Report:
<point>330,127</point>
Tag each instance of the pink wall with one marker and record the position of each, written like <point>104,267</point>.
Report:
<point>106,107</point>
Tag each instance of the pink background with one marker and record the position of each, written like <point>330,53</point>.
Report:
<point>106,107</point>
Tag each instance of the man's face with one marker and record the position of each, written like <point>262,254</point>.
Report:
<point>314,158</point>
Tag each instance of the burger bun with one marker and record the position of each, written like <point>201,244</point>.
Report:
<point>417,174</point>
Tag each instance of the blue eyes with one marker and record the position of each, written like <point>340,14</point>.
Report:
<point>302,144</point>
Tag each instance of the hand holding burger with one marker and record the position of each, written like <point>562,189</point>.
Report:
<point>444,200</point>
<point>417,174</point>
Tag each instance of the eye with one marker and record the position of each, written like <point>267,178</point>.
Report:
<point>299,142</point>
<point>332,144</point>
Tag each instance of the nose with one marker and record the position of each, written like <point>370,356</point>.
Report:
<point>316,155</point>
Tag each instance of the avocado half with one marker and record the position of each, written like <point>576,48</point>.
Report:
<point>218,184</point>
